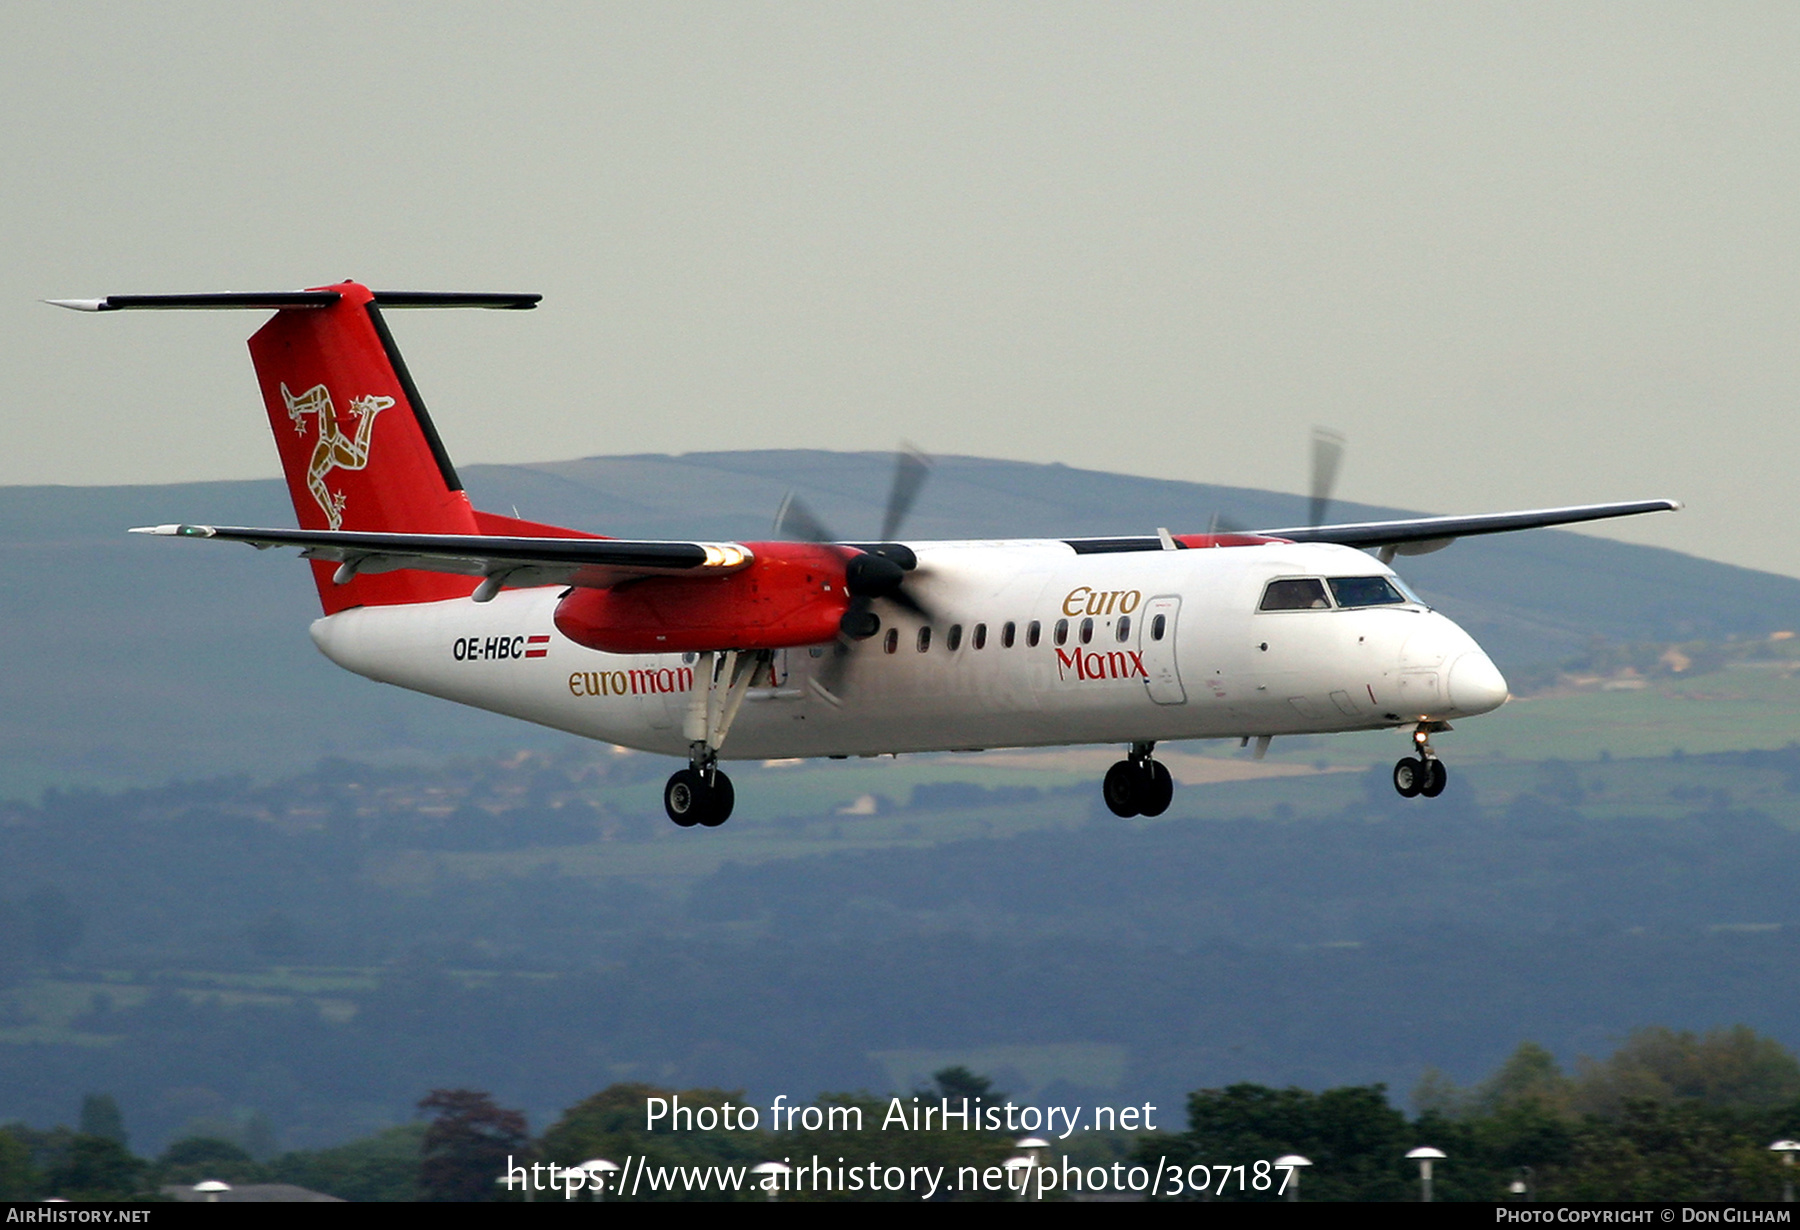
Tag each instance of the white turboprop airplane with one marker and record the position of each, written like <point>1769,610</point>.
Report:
<point>807,646</point>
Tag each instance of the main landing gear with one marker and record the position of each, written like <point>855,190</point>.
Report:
<point>1138,785</point>
<point>701,794</point>
<point>1423,774</point>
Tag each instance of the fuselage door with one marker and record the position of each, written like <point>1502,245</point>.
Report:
<point>1156,633</point>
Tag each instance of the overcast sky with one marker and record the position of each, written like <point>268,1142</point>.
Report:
<point>1520,254</point>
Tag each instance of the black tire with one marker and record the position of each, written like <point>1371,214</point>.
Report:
<point>1436,778</point>
<point>1409,776</point>
<point>1120,789</point>
<point>687,799</point>
<point>1156,789</point>
<point>723,797</point>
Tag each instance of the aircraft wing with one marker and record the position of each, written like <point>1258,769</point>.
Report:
<point>1424,534</point>
<point>593,563</point>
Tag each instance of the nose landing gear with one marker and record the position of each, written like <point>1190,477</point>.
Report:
<point>1138,785</point>
<point>1423,774</point>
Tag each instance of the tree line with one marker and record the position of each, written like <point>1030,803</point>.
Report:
<point>1670,1115</point>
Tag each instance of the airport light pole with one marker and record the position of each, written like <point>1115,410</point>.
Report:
<point>1034,1148</point>
<point>1787,1149</point>
<point>1425,1155</point>
<point>772,1172</point>
<point>1292,1162</point>
<point>601,1168</point>
<point>1018,1170</point>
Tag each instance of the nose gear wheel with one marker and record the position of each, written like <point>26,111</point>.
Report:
<point>1423,774</point>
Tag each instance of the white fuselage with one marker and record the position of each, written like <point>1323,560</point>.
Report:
<point>1220,667</point>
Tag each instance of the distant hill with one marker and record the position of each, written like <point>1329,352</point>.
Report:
<point>132,661</point>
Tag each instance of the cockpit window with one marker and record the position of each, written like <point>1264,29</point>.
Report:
<point>1366,591</point>
<point>1301,595</point>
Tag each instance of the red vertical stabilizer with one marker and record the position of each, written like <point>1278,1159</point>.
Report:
<point>357,447</point>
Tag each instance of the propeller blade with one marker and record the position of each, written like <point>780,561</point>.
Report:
<point>907,602</point>
<point>828,683</point>
<point>1327,455</point>
<point>911,469</point>
<point>795,521</point>
<point>834,668</point>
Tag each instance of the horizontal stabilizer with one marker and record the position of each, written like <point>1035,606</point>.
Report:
<point>280,299</point>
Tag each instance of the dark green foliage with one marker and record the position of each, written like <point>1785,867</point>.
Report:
<point>951,1147</point>
<point>19,1179</point>
<point>95,1168</point>
<point>1722,1097</point>
<point>469,1145</point>
<point>198,1158</point>
<point>839,1131</point>
<point>1733,1069</point>
<point>958,1082</point>
<point>100,1117</point>
<point>1651,1151</point>
<point>613,1124</point>
<point>384,1166</point>
<point>1659,1151</point>
<point>1351,1135</point>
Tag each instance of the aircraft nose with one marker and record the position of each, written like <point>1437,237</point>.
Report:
<point>1476,685</point>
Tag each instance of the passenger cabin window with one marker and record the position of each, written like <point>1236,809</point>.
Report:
<point>891,643</point>
<point>978,639</point>
<point>1061,634</point>
<point>1366,591</point>
<point>1034,632</point>
<point>1124,628</point>
<point>953,638</point>
<point>1303,595</point>
<point>925,638</point>
<point>1159,624</point>
<point>1008,631</point>
<point>1087,631</point>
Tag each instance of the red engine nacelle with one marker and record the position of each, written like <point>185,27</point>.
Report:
<point>792,595</point>
<point>1225,540</point>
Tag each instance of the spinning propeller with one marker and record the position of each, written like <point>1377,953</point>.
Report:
<point>1327,457</point>
<point>875,571</point>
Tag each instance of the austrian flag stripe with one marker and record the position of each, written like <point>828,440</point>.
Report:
<point>537,646</point>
